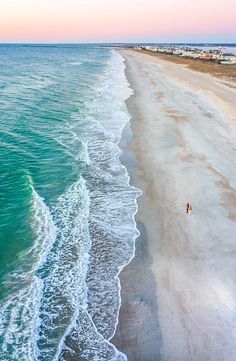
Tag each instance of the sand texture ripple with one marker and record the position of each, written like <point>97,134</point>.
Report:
<point>184,140</point>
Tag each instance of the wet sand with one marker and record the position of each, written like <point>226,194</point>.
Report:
<point>138,285</point>
<point>179,292</point>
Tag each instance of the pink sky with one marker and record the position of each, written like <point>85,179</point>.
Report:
<point>117,20</point>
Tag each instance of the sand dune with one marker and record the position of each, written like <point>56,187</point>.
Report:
<point>184,139</point>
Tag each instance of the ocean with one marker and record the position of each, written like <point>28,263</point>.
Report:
<point>67,223</point>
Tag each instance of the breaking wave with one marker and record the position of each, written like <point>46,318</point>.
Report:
<point>65,297</point>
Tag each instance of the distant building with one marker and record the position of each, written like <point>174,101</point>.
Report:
<point>214,55</point>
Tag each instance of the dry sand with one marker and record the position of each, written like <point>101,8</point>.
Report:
<point>219,70</point>
<point>179,292</point>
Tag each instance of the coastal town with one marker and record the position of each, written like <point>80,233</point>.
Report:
<point>219,55</point>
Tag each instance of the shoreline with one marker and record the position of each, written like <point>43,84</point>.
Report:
<point>160,287</point>
<point>136,346</point>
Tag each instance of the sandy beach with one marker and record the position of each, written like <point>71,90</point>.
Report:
<point>218,70</point>
<point>179,292</point>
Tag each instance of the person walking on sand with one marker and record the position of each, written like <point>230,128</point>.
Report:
<point>190,208</point>
<point>187,207</point>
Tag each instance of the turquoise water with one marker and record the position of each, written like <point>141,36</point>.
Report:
<point>67,225</point>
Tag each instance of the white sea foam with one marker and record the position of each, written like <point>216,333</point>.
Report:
<point>112,226</point>
<point>114,203</point>
<point>67,297</point>
<point>64,271</point>
<point>19,314</point>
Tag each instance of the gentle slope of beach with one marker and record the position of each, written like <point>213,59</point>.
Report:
<point>227,71</point>
<point>179,293</point>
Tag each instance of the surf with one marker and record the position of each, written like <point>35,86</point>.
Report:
<point>64,297</point>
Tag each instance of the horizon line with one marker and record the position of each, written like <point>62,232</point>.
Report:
<point>117,42</point>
